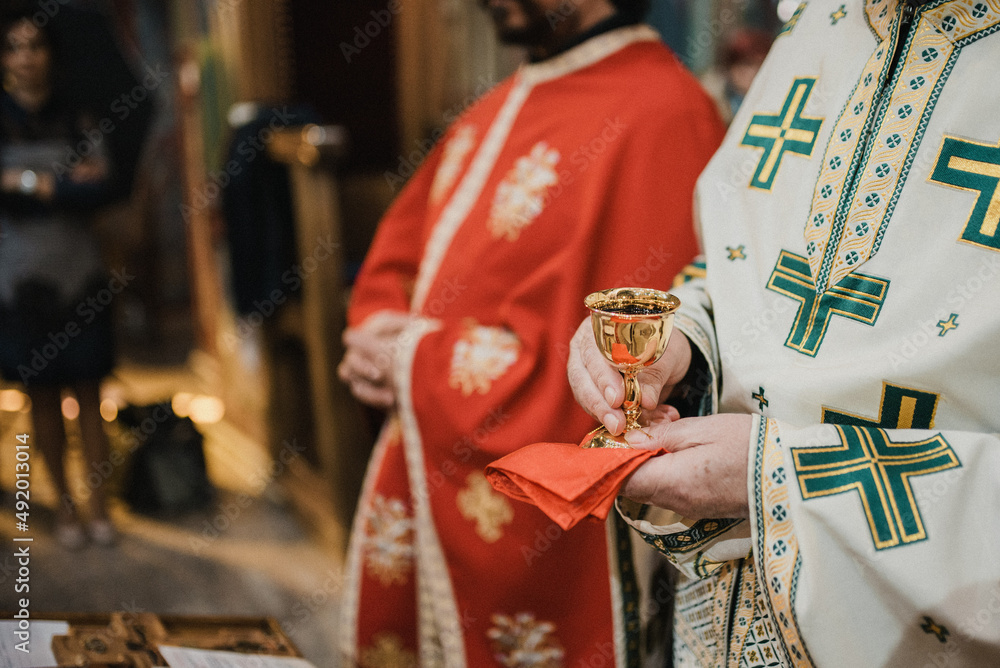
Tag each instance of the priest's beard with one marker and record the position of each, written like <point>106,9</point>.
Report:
<point>538,29</point>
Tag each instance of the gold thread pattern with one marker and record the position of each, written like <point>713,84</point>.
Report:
<point>389,541</point>
<point>778,545</point>
<point>480,357</point>
<point>840,149</point>
<point>925,64</point>
<point>881,14</point>
<point>490,510</point>
<point>842,235</point>
<point>523,194</point>
<point>960,19</point>
<point>387,651</point>
<point>521,641</point>
<point>695,618</point>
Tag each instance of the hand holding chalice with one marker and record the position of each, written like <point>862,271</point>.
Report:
<point>631,327</point>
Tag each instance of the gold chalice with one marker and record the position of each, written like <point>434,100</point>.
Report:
<point>631,326</point>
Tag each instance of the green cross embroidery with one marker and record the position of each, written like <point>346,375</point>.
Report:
<point>880,471</point>
<point>931,627</point>
<point>759,398</point>
<point>856,296</point>
<point>948,325</point>
<point>690,272</point>
<point>901,408</point>
<point>787,131</point>
<point>837,15</point>
<point>974,167</point>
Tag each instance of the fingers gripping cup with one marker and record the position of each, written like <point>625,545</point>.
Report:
<point>631,327</point>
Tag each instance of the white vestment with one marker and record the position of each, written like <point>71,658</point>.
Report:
<point>850,300</point>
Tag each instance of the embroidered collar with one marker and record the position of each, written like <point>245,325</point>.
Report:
<point>586,54</point>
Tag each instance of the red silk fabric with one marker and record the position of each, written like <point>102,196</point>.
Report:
<point>566,482</point>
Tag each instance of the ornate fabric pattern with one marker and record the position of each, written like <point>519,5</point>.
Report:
<point>777,544</point>
<point>389,541</point>
<point>387,651</point>
<point>697,639</point>
<point>857,297</point>
<point>880,471</point>
<point>792,22</point>
<point>521,641</point>
<point>761,647</point>
<point>860,181</point>
<point>879,16</point>
<point>482,355</point>
<point>965,21</point>
<point>467,193</point>
<point>521,196</point>
<point>837,161</point>
<point>788,131</point>
<point>741,610</point>
<point>690,272</point>
<point>900,408</point>
<point>489,509</point>
<point>452,161</point>
<point>698,536</point>
<point>730,604</point>
<point>973,167</point>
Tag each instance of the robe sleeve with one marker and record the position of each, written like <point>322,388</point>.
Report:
<point>385,282</point>
<point>696,547</point>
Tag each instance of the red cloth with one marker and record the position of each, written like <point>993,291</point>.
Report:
<point>570,203</point>
<point>565,481</point>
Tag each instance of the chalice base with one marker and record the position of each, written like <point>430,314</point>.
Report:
<point>602,438</point>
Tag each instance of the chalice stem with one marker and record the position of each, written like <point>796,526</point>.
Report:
<point>633,400</point>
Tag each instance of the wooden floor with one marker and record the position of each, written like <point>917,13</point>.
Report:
<point>247,553</point>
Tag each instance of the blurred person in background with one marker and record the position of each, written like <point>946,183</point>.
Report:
<point>741,54</point>
<point>55,330</point>
<point>573,175</point>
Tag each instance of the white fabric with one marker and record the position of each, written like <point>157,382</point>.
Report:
<point>837,582</point>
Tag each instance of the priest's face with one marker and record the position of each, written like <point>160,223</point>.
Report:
<point>533,22</point>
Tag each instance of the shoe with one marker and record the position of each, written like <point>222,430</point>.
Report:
<point>103,533</point>
<point>70,535</point>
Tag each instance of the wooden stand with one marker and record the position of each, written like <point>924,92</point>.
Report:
<point>131,640</point>
<point>342,438</point>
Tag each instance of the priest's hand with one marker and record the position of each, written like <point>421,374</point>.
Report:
<point>706,474</point>
<point>367,367</point>
<point>599,387</point>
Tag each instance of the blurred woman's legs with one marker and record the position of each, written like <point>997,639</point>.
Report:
<point>50,439</point>
<point>96,455</point>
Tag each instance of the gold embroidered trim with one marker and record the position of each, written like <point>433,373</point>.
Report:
<point>523,193</point>
<point>521,641</point>
<point>452,160</point>
<point>778,547</point>
<point>480,357</point>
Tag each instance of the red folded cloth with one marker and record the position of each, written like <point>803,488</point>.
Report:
<point>565,481</point>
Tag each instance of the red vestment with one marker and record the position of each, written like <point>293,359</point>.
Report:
<point>575,174</point>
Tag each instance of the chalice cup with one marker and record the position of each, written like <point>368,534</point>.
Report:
<point>631,326</point>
